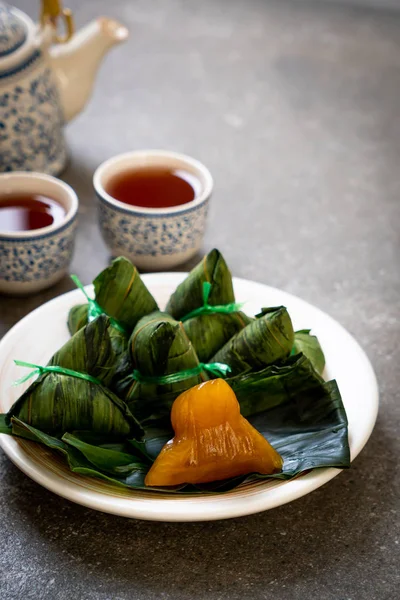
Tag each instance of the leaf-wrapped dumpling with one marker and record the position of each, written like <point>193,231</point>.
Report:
<point>95,349</point>
<point>189,294</point>
<point>208,285</point>
<point>266,340</point>
<point>120,293</point>
<point>209,332</point>
<point>212,440</point>
<point>56,403</point>
<point>158,347</point>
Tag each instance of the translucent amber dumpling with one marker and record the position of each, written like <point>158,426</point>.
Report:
<point>212,440</point>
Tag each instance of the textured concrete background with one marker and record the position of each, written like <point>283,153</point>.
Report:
<point>378,4</point>
<point>295,109</point>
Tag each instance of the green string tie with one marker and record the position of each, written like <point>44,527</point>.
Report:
<point>39,370</point>
<point>217,369</point>
<point>208,309</point>
<point>95,309</point>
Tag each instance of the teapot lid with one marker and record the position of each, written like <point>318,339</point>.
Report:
<point>13,31</point>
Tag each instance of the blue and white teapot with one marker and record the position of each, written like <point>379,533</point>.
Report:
<point>45,80</point>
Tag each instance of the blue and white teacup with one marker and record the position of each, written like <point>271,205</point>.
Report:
<point>34,260</point>
<point>154,239</point>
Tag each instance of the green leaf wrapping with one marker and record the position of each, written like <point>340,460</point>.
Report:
<point>115,467</point>
<point>110,461</point>
<point>283,397</point>
<point>208,333</point>
<point>158,346</point>
<point>122,295</point>
<point>189,294</point>
<point>95,349</point>
<point>309,345</point>
<point>262,390</point>
<point>4,424</point>
<point>308,429</point>
<point>57,403</point>
<point>266,340</point>
<point>256,391</point>
<point>77,318</point>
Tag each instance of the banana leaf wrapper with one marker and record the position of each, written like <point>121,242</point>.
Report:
<point>78,317</point>
<point>266,340</point>
<point>96,349</point>
<point>121,293</point>
<point>189,294</point>
<point>158,346</point>
<point>56,403</point>
<point>309,345</point>
<point>263,390</point>
<point>209,332</point>
<point>256,392</point>
<point>308,429</point>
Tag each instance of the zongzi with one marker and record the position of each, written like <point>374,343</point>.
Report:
<point>158,349</point>
<point>57,403</point>
<point>212,440</point>
<point>189,294</point>
<point>120,293</point>
<point>209,332</point>
<point>95,349</point>
<point>204,302</point>
<point>266,340</point>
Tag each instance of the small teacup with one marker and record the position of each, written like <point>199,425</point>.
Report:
<point>34,260</point>
<point>154,239</point>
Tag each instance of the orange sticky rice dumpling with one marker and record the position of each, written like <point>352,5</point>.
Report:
<point>212,442</point>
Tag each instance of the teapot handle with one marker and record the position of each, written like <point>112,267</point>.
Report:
<point>51,11</point>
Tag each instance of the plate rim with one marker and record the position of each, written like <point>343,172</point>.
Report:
<point>171,510</point>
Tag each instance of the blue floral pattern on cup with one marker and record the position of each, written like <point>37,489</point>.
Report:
<point>26,260</point>
<point>141,234</point>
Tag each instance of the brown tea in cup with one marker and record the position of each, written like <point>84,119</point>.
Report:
<point>154,187</point>
<point>27,212</point>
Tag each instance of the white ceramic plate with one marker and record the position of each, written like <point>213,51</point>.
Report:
<point>36,337</point>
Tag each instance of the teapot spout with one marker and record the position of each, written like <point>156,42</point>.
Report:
<point>75,63</point>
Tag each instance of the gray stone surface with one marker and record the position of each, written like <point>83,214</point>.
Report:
<point>378,4</point>
<point>295,109</point>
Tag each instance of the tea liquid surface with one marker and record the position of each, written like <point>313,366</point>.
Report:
<point>154,187</point>
<point>27,212</point>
